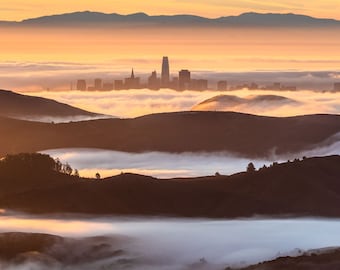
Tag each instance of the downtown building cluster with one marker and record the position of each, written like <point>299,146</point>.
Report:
<point>182,82</point>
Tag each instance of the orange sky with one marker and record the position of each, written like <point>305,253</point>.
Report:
<point>21,9</point>
<point>218,50</point>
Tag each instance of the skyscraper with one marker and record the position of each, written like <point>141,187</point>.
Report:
<point>153,81</point>
<point>132,82</point>
<point>165,76</point>
<point>98,84</point>
<point>184,79</point>
<point>81,85</point>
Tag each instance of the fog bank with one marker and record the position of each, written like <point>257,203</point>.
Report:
<point>181,243</point>
<point>169,165</point>
<point>134,103</point>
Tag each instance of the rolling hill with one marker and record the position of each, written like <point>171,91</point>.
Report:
<point>309,187</point>
<point>235,103</point>
<point>27,107</point>
<point>247,135</point>
<point>312,260</point>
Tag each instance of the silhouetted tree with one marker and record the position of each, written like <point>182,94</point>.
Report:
<point>67,169</point>
<point>76,173</point>
<point>274,164</point>
<point>263,168</point>
<point>58,165</point>
<point>98,176</point>
<point>251,168</point>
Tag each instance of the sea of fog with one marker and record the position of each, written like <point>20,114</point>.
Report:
<point>168,243</point>
<point>167,165</point>
<point>134,103</point>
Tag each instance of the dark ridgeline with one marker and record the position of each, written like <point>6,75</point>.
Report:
<point>17,105</point>
<point>301,188</point>
<point>245,134</point>
<point>323,259</point>
<point>45,251</point>
<point>165,76</point>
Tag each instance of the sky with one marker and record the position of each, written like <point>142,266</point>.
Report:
<point>55,58</point>
<point>22,9</point>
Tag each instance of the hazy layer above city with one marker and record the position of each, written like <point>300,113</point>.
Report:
<point>53,58</point>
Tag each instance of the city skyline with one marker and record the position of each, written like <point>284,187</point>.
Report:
<point>183,81</point>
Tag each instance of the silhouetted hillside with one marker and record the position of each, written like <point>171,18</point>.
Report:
<point>174,132</point>
<point>22,106</point>
<point>313,260</point>
<point>233,103</point>
<point>305,188</point>
<point>250,19</point>
<point>44,251</point>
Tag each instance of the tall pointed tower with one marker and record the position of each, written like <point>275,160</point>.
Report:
<point>165,76</point>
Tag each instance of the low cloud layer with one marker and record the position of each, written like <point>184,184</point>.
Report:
<point>167,165</point>
<point>173,244</point>
<point>134,103</point>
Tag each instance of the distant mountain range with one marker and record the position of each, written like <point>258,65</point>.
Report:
<point>250,19</point>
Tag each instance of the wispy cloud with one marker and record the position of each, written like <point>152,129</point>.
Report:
<point>251,5</point>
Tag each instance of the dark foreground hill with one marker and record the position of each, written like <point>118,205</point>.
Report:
<point>248,135</point>
<point>43,251</point>
<point>22,106</point>
<point>310,187</point>
<point>309,261</point>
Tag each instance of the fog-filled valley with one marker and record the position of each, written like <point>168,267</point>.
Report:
<point>158,243</point>
<point>125,219</point>
<point>168,165</point>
